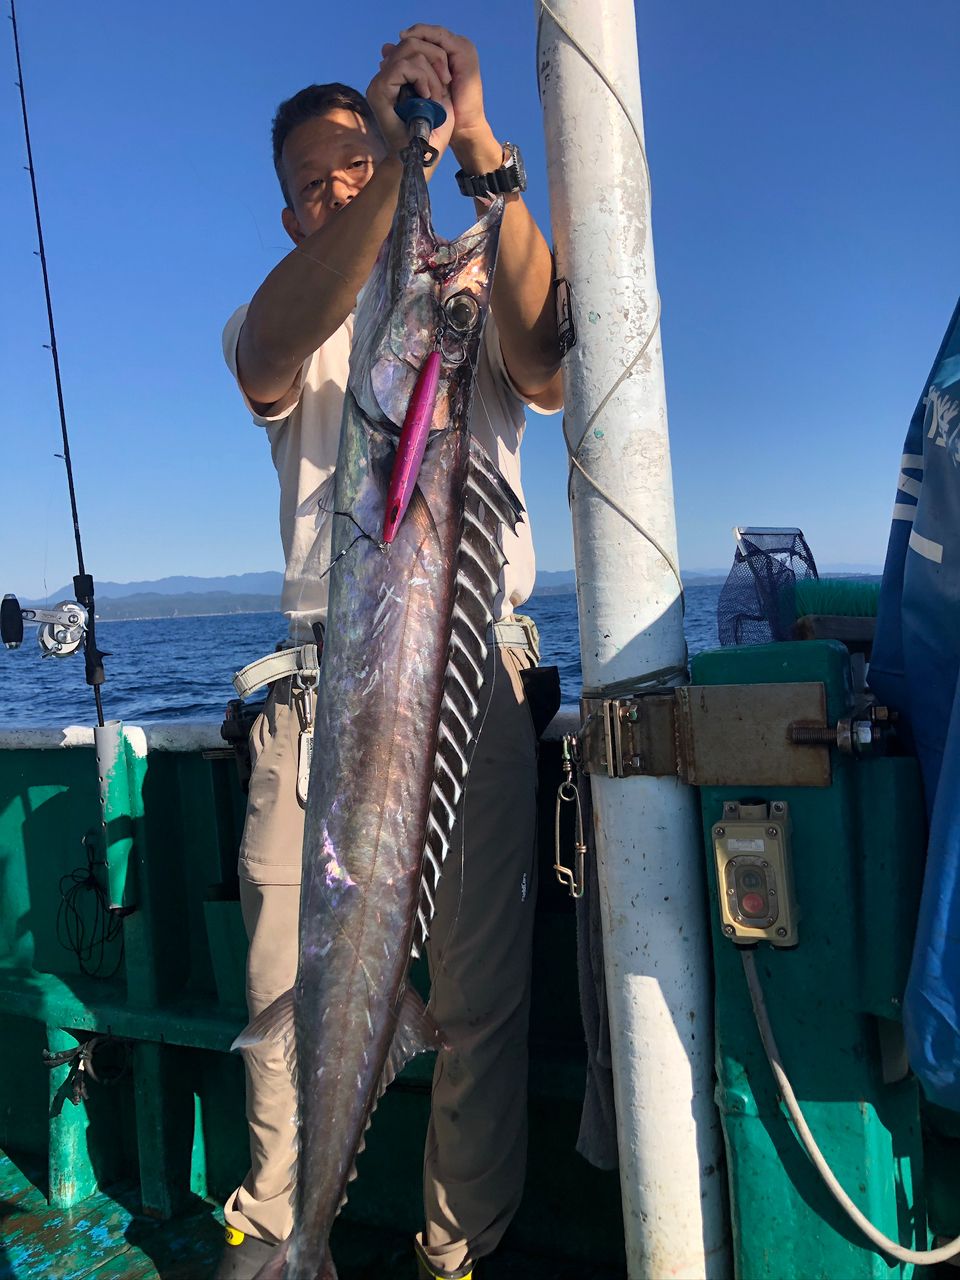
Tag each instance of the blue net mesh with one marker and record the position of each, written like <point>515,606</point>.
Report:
<point>757,603</point>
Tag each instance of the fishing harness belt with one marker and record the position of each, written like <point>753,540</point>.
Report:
<point>518,632</point>
<point>302,660</point>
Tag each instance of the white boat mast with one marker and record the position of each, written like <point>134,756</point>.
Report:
<point>650,860</point>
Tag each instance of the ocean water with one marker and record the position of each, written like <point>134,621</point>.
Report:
<point>181,668</point>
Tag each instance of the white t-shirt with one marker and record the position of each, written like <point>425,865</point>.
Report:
<point>304,440</point>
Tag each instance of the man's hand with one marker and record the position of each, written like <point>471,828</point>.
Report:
<point>472,141</point>
<point>523,299</point>
<point>446,67</point>
<point>422,64</point>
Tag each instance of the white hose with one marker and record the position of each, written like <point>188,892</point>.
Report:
<point>920,1257</point>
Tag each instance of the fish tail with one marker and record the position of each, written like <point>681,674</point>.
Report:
<point>296,1267</point>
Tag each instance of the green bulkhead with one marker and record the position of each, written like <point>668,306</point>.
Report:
<point>856,849</point>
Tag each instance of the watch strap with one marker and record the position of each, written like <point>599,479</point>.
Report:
<point>510,177</point>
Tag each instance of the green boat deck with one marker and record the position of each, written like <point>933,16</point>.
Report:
<point>130,1182</point>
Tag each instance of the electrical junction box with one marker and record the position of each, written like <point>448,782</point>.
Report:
<point>751,845</point>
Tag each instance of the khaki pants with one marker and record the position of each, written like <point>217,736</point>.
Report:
<point>479,955</point>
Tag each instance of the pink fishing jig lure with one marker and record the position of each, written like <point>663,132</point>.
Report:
<point>411,446</point>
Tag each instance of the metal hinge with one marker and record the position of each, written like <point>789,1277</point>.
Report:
<point>625,737</point>
<point>716,735</point>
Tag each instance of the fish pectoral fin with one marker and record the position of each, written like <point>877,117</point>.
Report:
<point>419,515</point>
<point>416,1033</point>
<point>273,1025</point>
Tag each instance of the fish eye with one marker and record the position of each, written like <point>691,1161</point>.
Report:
<point>462,312</point>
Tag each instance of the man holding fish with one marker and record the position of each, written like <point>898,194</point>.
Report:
<point>338,159</point>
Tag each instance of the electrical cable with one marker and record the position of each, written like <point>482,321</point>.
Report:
<point>88,944</point>
<point>919,1257</point>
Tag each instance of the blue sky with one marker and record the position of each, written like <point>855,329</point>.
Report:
<point>806,202</point>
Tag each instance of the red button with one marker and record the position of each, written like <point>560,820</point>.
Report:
<point>753,904</point>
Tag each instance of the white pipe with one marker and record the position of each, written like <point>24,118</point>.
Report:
<point>650,860</point>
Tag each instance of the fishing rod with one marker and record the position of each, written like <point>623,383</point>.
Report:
<point>72,623</point>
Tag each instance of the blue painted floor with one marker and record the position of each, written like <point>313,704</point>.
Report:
<point>105,1237</point>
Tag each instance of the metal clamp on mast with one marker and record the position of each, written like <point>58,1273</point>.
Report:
<point>725,735</point>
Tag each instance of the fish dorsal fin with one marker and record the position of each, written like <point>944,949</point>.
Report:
<point>489,504</point>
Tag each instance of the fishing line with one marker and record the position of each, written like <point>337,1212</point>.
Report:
<point>83,583</point>
<point>361,536</point>
<point>573,451</point>
<point>340,554</point>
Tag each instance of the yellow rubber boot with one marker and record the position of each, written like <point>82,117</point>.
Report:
<point>427,1270</point>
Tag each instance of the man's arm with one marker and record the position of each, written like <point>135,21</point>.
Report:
<point>523,296</point>
<point>309,294</point>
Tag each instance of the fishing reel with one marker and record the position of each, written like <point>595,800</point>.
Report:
<point>60,630</point>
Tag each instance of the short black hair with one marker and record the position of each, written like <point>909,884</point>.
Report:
<point>316,100</point>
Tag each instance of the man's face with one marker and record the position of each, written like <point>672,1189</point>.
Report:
<point>326,162</point>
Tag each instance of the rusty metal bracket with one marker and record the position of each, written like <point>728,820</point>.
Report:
<point>711,735</point>
<point>625,737</point>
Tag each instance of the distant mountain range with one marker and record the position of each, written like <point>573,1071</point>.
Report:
<point>184,596</point>
<point>260,584</point>
<point>185,604</point>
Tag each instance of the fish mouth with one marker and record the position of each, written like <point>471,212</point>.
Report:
<point>427,294</point>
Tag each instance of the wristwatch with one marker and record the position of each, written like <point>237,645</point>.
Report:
<point>511,176</point>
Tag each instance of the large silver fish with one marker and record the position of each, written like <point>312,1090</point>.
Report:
<point>400,698</point>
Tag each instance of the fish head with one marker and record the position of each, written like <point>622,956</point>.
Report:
<point>425,294</point>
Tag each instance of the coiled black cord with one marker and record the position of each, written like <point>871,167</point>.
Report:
<point>88,941</point>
